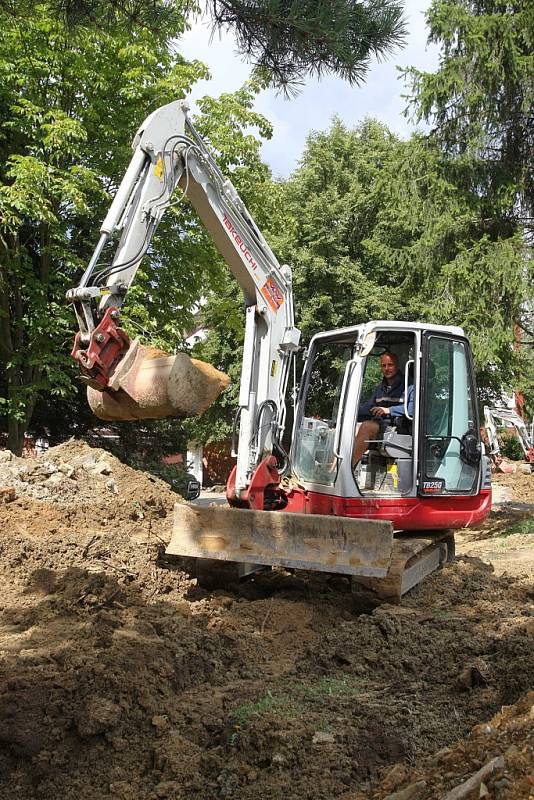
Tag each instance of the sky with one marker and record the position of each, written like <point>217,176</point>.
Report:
<point>293,119</point>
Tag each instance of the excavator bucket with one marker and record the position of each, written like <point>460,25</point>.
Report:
<point>304,541</point>
<point>150,384</point>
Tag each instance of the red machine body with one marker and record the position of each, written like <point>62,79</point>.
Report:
<point>405,513</point>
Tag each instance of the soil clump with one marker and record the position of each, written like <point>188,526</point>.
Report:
<point>120,677</point>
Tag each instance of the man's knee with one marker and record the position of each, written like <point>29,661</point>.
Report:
<point>370,428</point>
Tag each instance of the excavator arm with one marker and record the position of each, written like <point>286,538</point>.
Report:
<point>516,423</point>
<point>127,380</point>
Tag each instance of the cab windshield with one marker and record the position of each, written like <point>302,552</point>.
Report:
<point>313,454</point>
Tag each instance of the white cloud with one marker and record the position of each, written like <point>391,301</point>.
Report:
<point>313,108</point>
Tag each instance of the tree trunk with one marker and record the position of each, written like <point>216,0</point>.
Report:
<point>17,428</point>
<point>22,376</point>
<point>15,435</point>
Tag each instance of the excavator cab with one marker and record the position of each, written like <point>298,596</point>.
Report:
<point>418,458</point>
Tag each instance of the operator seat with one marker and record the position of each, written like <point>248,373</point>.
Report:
<point>398,442</point>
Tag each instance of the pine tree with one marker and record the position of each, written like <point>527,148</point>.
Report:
<point>292,38</point>
<point>285,40</point>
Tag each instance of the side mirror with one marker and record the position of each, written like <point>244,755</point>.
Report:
<point>193,490</point>
<point>470,448</point>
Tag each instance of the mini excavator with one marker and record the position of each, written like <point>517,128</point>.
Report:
<point>507,417</point>
<point>387,521</point>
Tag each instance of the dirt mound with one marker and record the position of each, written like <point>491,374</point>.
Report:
<point>520,484</point>
<point>74,474</point>
<point>495,761</point>
<point>506,537</point>
<point>371,689</point>
<point>121,678</point>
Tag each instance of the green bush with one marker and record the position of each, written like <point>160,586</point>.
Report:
<point>176,475</point>
<point>510,447</point>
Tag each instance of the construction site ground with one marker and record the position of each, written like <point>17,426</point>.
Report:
<point>121,678</point>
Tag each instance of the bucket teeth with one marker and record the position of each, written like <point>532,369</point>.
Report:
<point>150,384</point>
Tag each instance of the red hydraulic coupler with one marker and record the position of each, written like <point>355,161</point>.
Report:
<point>107,345</point>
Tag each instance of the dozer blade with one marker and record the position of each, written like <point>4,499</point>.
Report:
<point>149,384</point>
<point>303,541</point>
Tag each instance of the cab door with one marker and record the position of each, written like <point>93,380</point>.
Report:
<point>449,441</point>
<point>314,452</point>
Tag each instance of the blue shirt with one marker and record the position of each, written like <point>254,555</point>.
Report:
<point>386,395</point>
<point>398,410</point>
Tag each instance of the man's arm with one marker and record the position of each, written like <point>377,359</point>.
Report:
<point>364,410</point>
<point>398,410</point>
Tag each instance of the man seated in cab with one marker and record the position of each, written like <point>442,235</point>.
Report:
<point>386,403</point>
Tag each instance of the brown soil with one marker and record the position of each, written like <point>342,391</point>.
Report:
<point>519,483</point>
<point>506,538</point>
<point>121,678</point>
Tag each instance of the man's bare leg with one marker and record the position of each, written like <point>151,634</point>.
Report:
<point>367,430</point>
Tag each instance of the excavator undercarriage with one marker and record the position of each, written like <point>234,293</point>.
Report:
<point>228,544</point>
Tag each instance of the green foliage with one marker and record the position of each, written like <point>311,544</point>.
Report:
<point>176,475</point>
<point>378,228</point>
<point>108,15</point>
<point>326,381</point>
<point>71,97</point>
<point>282,705</point>
<point>480,102</point>
<point>143,444</point>
<point>510,445</point>
<point>480,99</point>
<point>382,229</point>
<point>300,700</point>
<point>68,99</point>
<point>524,526</point>
<point>284,39</point>
<point>224,316</point>
<point>288,39</point>
<point>331,215</point>
<point>373,227</point>
<point>348,686</point>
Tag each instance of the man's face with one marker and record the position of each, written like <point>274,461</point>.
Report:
<point>389,367</point>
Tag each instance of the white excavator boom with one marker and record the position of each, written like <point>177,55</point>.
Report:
<point>170,155</point>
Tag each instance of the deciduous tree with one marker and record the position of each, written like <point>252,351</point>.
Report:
<point>71,99</point>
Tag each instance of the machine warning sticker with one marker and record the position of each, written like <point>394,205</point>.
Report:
<point>272,294</point>
<point>434,486</point>
<point>158,169</point>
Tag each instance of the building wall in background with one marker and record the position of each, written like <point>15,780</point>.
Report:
<point>218,463</point>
